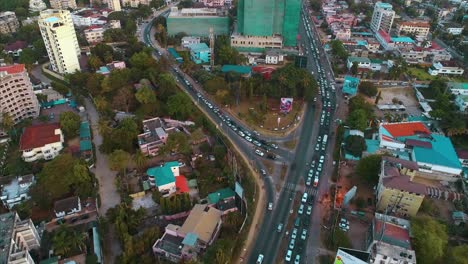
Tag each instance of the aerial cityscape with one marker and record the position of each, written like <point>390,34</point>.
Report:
<point>233,131</point>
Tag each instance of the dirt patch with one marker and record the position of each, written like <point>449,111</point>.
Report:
<point>270,166</point>
<point>290,144</point>
<point>284,169</point>
<point>403,95</point>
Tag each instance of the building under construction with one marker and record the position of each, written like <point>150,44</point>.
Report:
<point>197,21</point>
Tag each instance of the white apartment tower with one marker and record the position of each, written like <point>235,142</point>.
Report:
<point>114,5</point>
<point>63,4</point>
<point>382,18</point>
<point>17,97</point>
<point>60,40</point>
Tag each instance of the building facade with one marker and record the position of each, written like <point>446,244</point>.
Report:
<point>18,238</point>
<point>256,43</point>
<point>17,190</point>
<point>94,34</point>
<point>63,4</point>
<point>445,68</point>
<point>382,18</point>
<point>266,18</point>
<point>114,5</point>
<point>37,5</point>
<point>189,40</point>
<point>418,28</point>
<point>17,95</point>
<point>200,53</point>
<point>60,40</point>
<point>213,3</point>
<point>8,22</point>
<point>44,141</point>
<point>135,3</point>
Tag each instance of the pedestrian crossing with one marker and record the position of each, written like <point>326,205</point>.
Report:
<point>311,192</point>
<point>293,187</point>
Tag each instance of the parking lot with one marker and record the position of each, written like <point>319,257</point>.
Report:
<point>405,95</point>
<point>54,112</point>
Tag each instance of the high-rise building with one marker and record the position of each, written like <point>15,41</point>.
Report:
<point>60,40</point>
<point>268,18</point>
<point>8,22</point>
<point>63,4</point>
<point>382,18</point>
<point>18,238</point>
<point>135,3</point>
<point>17,97</point>
<point>114,5</point>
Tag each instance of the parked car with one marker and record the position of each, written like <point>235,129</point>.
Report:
<point>288,255</point>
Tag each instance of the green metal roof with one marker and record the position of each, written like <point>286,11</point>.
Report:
<point>372,145</point>
<point>172,164</point>
<point>190,239</point>
<point>85,145</point>
<point>442,152</point>
<point>220,195</point>
<point>84,130</point>
<point>162,175</point>
<point>199,47</point>
<point>359,59</point>
<point>146,185</point>
<point>237,68</point>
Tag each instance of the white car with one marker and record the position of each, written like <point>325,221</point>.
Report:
<point>309,181</point>
<point>301,209</point>
<point>259,152</point>
<point>304,234</point>
<point>309,210</point>
<point>294,233</point>
<point>288,255</point>
<point>297,260</point>
<point>249,139</point>
<point>256,143</point>
<point>291,243</point>
<point>259,259</point>
<point>270,206</point>
<point>304,198</point>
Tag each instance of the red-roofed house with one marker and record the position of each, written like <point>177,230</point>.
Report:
<point>43,141</point>
<point>181,184</point>
<point>389,132</point>
<point>15,48</point>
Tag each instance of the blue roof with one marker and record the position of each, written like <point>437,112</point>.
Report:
<point>163,174</point>
<point>361,43</point>
<point>190,239</point>
<point>52,19</point>
<point>236,68</point>
<point>372,146</point>
<point>84,130</point>
<point>402,39</point>
<point>384,5</point>
<point>199,47</point>
<point>85,145</point>
<point>442,152</point>
<point>350,85</point>
<point>103,70</point>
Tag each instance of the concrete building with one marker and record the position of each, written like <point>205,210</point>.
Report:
<point>114,5</point>
<point>453,28</point>
<point>17,95</point>
<point>190,240</point>
<point>154,136</point>
<point>419,28</point>
<point>60,40</point>
<point>256,43</point>
<point>17,190</point>
<point>189,40</point>
<point>167,178</point>
<point>266,18</point>
<point>94,34</point>
<point>89,17</point>
<point>389,241</point>
<point>363,63</point>
<point>212,3</point>
<point>445,68</point>
<point>18,238</point>
<point>458,88</point>
<point>382,18</point>
<point>135,3</point>
<point>200,53</point>
<point>461,101</point>
<point>67,206</point>
<point>63,4</point>
<point>114,24</point>
<point>37,5</point>
<point>8,22</point>
<point>273,57</point>
<point>43,141</point>
<point>197,21</point>
<point>428,55</point>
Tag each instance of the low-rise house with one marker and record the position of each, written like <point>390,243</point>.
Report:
<point>17,190</point>
<point>190,240</point>
<point>363,63</point>
<point>94,34</point>
<point>424,55</point>
<point>224,200</point>
<point>458,88</point>
<point>463,157</point>
<point>44,141</point>
<point>453,28</point>
<point>461,101</point>
<point>115,65</point>
<point>445,68</point>
<point>18,237</point>
<point>15,48</point>
<point>200,53</point>
<point>389,240</point>
<point>189,40</point>
<point>155,134</point>
<point>168,179</point>
<point>67,206</point>
<point>273,57</point>
<point>114,24</point>
<point>350,86</point>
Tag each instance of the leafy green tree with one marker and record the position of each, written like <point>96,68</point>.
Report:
<point>145,95</point>
<point>429,239</point>
<point>368,88</point>
<point>118,160</point>
<point>338,49</point>
<point>358,120</point>
<point>7,122</point>
<point>354,68</point>
<point>369,168</point>
<point>60,88</point>
<point>355,145</point>
<point>94,62</point>
<point>457,255</point>
<point>140,160</point>
<point>69,123</point>
<point>123,137</point>
<point>178,143</point>
<point>28,56</point>
<point>180,106</point>
<point>104,52</point>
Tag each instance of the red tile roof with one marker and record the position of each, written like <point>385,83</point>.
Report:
<point>19,44</point>
<point>181,184</point>
<point>462,153</point>
<point>38,136</point>
<point>392,231</point>
<point>12,69</point>
<point>406,129</point>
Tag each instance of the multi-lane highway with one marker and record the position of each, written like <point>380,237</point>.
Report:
<point>308,172</point>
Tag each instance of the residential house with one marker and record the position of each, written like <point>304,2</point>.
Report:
<point>453,28</point>
<point>224,200</point>
<point>43,141</point>
<point>94,34</point>
<point>63,4</point>
<point>115,65</point>
<point>391,43</point>
<point>445,68</point>
<point>200,53</point>
<point>424,55</point>
<point>114,24</point>
<point>8,22</point>
<point>135,3</point>
<point>461,101</point>
<point>418,28</point>
<point>167,178</point>
<point>274,57</point>
<point>189,40</point>
<point>17,190</point>
<point>350,86</point>
<point>67,206</point>
<point>155,134</point>
<point>463,157</point>
<point>15,48</point>
<point>362,63</point>
<point>188,241</point>
<point>458,88</point>
<point>36,6</point>
<point>89,17</point>
<point>389,240</point>
<point>434,154</point>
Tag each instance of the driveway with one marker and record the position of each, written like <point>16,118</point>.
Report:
<point>107,189</point>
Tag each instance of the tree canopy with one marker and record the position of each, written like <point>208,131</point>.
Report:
<point>368,168</point>
<point>70,123</point>
<point>429,239</point>
<point>358,120</point>
<point>355,145</point>
<point>368,88</point>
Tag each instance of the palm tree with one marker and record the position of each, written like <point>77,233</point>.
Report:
<point>140,160</point>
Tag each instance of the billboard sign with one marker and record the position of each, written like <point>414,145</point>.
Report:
<point>286,105</point>
<point>239,190</point>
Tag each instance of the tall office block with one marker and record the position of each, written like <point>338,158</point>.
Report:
<point>267,18</point>
<point>60,40</point>
<point>114,5</point>
<point>63,4</point>
<point>382,18</point>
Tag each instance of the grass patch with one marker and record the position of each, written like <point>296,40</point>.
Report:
<point>427,93</point>
<point>291,144</point>
<point>420,74</point>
